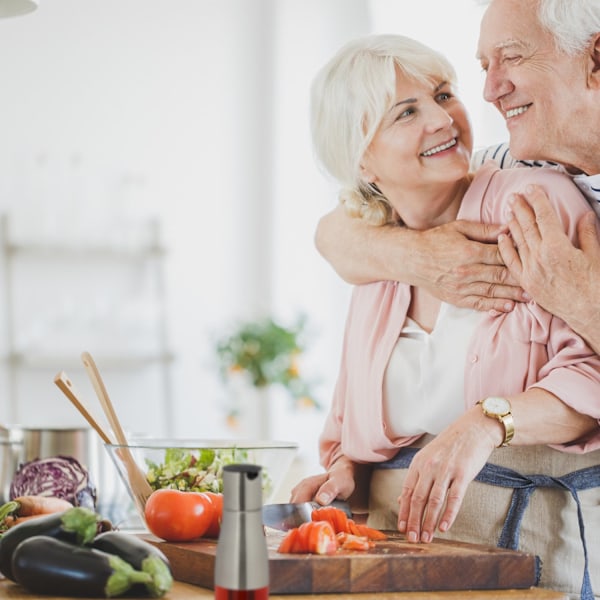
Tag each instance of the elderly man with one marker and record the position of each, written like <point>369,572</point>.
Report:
<point>542,63</point>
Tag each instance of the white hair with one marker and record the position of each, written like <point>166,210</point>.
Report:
<point>572,24</point>
<point>349,98</point>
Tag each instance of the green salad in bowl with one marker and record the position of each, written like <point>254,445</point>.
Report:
<point>197,465</point>
<point>197,470</point>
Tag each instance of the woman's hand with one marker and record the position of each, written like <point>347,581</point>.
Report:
<point>338,482</point>
<point>441,471</point>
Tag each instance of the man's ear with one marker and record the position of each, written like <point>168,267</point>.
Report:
<point>594,57</point>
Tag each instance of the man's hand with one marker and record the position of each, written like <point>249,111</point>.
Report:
<point>458,263</point>
<point>565,280</point>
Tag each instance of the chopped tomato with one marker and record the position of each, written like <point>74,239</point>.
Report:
<point>370,533</point>
<point>336,517</point>
<point>353,528</point>
<point>341,537</point>
<point>348,541</point>
<point>342,524</point>
<point>288,542</point>
<point>314,537</point>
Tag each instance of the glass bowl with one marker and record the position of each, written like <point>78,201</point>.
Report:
<point>196,465</point>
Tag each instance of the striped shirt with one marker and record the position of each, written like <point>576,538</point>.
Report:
<point>589,185</point>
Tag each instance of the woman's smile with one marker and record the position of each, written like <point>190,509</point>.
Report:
<point>440,148</point>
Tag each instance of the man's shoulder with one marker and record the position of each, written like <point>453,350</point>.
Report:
<point>500,154</point>
<point>516,179</point>
<point>560,189</point>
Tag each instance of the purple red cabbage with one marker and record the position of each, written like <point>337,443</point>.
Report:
<point>59,476</point>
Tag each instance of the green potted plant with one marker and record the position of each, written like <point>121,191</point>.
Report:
<point>264,353</point>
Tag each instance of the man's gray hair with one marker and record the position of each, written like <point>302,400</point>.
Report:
<point>572,23</point>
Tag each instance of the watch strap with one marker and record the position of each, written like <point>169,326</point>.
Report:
<point>509,429</point>
<point>506,419</point>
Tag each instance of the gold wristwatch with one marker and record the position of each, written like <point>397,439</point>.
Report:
<point>499,408</point>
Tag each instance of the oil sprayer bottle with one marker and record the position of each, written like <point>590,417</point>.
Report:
<point>242,561</point>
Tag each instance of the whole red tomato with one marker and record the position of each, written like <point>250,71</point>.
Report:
<point>215,526</point>
<point>176,516</point>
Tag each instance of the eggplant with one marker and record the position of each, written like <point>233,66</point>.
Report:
<point>142,556</point>
<point>48,566</point>
<point>76,525</point>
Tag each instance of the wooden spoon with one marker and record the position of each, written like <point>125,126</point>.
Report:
<point>140,488</point>
<point>68,389</point>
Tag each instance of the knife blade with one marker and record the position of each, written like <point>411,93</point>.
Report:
<point>287,516</point>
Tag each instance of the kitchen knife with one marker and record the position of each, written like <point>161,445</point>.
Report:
<point>288,516</point>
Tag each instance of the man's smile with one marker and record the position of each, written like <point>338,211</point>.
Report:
<point>514,112</point>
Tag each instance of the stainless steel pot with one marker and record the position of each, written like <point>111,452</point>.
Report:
<point>22,444</point>
<point>10,456</point>
<point>80,443</point>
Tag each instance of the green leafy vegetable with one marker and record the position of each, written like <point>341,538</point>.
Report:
<point>196,470</point>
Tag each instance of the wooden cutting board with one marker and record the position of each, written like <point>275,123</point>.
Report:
<point>393,565</point>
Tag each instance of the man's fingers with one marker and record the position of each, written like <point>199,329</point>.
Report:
<point>523,226</point>
<point>510,256</point>
<point>474,278</point>
<point>486,252</point>
<point>480,232</point>
<point>588,233</point>
<point>491,288</point>
<point>539,210</point>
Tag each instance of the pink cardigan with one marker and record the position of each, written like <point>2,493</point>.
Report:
<point>508,353</point>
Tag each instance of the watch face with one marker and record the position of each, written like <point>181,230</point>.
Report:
<point>496,405</point>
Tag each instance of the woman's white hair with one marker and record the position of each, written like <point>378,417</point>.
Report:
<point>349,98</point>
<point>572,23</point>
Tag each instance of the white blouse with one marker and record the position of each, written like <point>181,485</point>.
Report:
<point>423,388</point>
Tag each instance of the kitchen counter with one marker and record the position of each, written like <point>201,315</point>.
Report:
<point>184,591</point>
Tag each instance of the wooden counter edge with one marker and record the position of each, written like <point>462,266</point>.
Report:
<point>186,591</point>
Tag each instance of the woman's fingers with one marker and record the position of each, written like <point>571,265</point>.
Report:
<point>439,475</point>
<point>454,498</point>
<point>307,488</point>
<point>404,501</point>
<point>419,506</point>
<point>435,504</point>
<point>325,487</point>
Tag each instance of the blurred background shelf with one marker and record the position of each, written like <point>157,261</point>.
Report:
<point>70,362</point>
<point>52,251</point>
<point>92,288</point>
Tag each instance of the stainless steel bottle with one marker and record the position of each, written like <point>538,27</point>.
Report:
<point>242,561</point>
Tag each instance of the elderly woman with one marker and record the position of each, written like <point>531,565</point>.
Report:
<point>441,400</point>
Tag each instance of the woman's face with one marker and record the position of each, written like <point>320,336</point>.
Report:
<point>421,151</point>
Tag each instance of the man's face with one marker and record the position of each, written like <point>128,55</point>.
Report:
<point>539,90</point>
